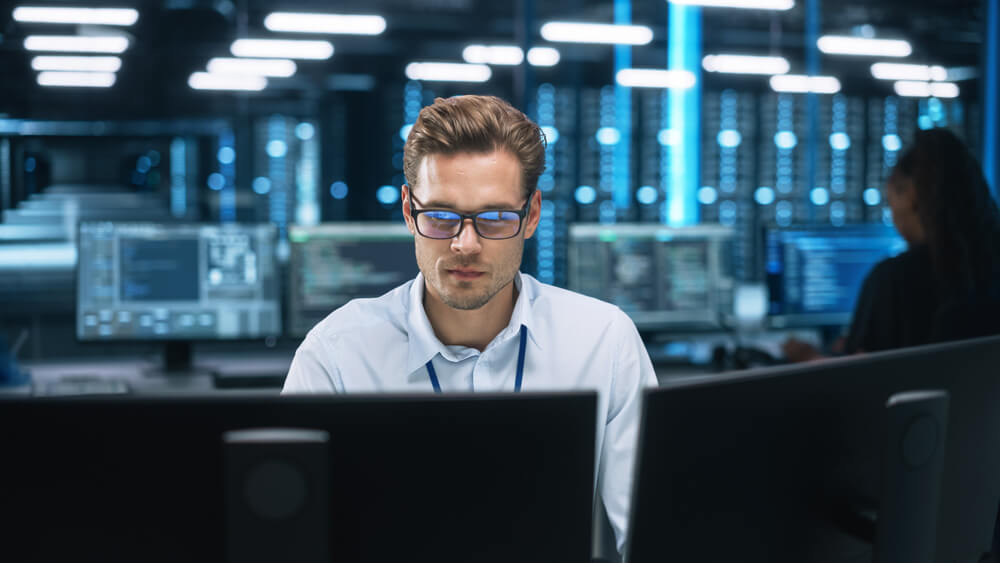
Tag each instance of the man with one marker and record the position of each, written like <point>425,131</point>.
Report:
<point>470,319</point>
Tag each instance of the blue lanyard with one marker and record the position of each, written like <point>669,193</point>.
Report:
<point>517,378</point>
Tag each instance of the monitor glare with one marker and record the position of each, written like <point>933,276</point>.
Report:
<point>662,277</point>
<point>790,463</point>
<point>176,282</point>
<point>333,263</point>
<point>450,479</point>
<point>814,274</point>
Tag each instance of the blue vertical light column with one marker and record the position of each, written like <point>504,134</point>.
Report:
<point>277,172</point>
<point>991,93</point>
<point>622,191</point>
<point>307,175</point>
<point>227,167</point>
<point>812,100</point>
<point>546,233</point>
<point>178,177</point>
<point>684,110</point>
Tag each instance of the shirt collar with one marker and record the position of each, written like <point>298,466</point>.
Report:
<point>424,344</point>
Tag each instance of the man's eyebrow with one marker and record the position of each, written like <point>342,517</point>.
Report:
<point>436,204</point>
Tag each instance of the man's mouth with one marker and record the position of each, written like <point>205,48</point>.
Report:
<point>465,274</point>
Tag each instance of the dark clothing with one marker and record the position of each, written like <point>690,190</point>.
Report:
<point>901,304</point>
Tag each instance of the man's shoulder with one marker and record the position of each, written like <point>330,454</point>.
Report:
<point>564,305</point>
<point>366,317</point>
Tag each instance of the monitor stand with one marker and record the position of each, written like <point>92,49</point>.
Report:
<point>177,361</point>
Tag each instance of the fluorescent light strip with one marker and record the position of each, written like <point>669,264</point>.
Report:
<point>654,78</point>
<point>280,68</point>
<point>94,16</point>
<point>282,49</point>
<point>745,64</point>
<point>801,84</point>
<point>76,44</point>
<point>572,32</point>
<point>209,81</point>
<point>746,4</point>
<point>493,54</point>
<point>956,73</point>
<point>448,72</point>
<point>845,45</point>
<point>298,22</point>
<point>80,64</point>
<point>897,71</point>
<point>916,89</point>
<point>77,79</point>
<point>543,56</point>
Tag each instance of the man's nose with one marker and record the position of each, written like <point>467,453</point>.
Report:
<point>467,241</point>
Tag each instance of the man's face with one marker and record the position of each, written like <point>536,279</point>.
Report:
<point>467,271</point>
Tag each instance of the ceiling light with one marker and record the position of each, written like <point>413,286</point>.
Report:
<point>92,64</point>
<point>801,84</point>
<point>257,67</point>
<point>571,32</point>
<point>543,56</point>
<point>76,44</point>
<point>845,45</point>
<point>80,79</point>
<point>450,72</point>
<point>748,4</point>
<point>493,54</point>
<point>916,89</point>
<point>654,78</point>
<point>745,64</point>
<point>898,71</point>
<point>962,73</point>
<point>209,81</point>
<point>282,49</point>
<point>93,16</point>
<point>325,23</point>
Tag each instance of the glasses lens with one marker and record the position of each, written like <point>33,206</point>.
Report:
<point>498,224</point>
<point>438,224</point>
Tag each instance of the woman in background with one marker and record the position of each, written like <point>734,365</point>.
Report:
<point>946,286</point>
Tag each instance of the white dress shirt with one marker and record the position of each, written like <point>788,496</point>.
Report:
<point>574,343</point>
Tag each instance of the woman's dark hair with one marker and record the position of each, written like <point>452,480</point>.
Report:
<point>956,209</point>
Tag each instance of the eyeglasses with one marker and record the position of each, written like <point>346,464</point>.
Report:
<point>444,224</point>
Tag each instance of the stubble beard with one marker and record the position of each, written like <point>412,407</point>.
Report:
<point>462,299</point>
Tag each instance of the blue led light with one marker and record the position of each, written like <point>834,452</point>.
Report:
<point>892,142</point>
<point>404,131</point>
<point>338,190</point>
<point>154,157</point>
<point>585,195</point>
<point>707,195</point>
<point>785,140</point>
<point>925,122</point>
<point>729,138</point>
<point>277,148</point>
<point>646,195</point>
<point>30,164</point>
<point>216,181</point>
<point>551,134</point>
<point>666,138</point>
<point>819,196</point>
<point>226,155</point>
<point>305,131</point>
<point>873,196</point>
<point>143,164</point>
<point>764,195</point>
<point>608,136</point>
<point>840,141</point>
<point>387,195</point>
<point>261,184</point>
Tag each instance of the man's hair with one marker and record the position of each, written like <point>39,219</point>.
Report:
<point>478,125</point>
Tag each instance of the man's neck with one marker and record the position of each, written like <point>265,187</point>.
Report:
<point>474,328</point>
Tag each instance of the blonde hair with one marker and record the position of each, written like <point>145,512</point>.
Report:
<point>475,124</point>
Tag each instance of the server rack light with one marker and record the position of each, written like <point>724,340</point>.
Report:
<point>448,72</point>
<point>282,49</point>
<point>279,68</point>
<point>77,79</point>
<point>300,22</point>
<point>113,44</point>
<point>209,81</point>
<point>76,64</point>
<point>863,46</point>
<point>901,71</point>
<point>745,64</point>
<point>601,33</point>
<point>82,16</point>
<point>779,5</point>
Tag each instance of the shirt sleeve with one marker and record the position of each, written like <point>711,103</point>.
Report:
<point>632,372</point>
<point>872,324</point>
<point>313,369</point>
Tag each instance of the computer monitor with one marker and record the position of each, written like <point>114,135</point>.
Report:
<point>176,283</point>
<point>661,277</point>
<point>451,479</point>
<point>331,264</point>
<point>782,464</point>
<point>814,274</point>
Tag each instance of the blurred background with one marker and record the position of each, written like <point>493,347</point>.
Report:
<point>717,171</point>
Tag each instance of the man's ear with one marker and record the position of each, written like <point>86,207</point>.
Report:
<point>534,214</point>
<point>405,202</point>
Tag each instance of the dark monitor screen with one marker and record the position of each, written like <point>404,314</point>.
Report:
<point>452,479</point>
<point>331,264</point>
<point>660,276</point>
<point>814,274</point>
<point>160,281</point>
<point>780,464</point>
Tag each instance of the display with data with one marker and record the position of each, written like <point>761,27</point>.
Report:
<point>333,264</point>
<point>160,281</point>
<point>814,274</point>
<point>661,277</point>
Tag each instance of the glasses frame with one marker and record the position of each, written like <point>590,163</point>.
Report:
<point>521,214</point>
